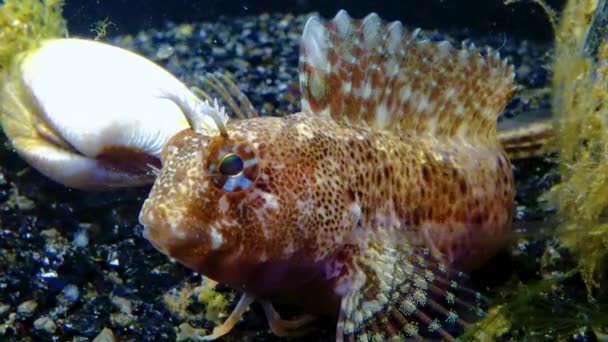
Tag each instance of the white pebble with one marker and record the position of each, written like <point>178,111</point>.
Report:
<point>45,324</point>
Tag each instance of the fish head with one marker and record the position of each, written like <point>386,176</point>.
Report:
<point>255,197</point>
<point>192,211</point>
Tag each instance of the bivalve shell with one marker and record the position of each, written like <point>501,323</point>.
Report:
<point>90,115</point>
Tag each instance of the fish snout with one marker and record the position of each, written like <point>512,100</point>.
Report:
<point>162,227</point>
<point>178,236</point>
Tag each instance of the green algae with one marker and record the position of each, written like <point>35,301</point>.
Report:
<point>545,309</point>
<point>542,310</point>
<point>580,106</point>
<point>181,301</point>
<point>24,24</point>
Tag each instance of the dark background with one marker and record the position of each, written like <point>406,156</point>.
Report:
<point>524,19</point>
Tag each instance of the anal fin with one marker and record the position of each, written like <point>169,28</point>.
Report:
<point>402,294</point>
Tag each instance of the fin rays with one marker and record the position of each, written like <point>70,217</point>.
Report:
<point>406,295</point>
<point>229,93</point>
<point>379,74</point>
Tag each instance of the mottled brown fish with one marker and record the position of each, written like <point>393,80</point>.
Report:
<point>362,206</point>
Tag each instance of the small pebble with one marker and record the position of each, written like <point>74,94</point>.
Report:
<point>106,335</point>
<point>520,212</point>
<point>45,324</point>
<point>23,203</point>
<point>123,304</point>
<point>8,324</point>
<point>164,51</point>
<point>27,308</point>
<point>81,238</point>
<point>71,292</point>
<point>50,234</point>
<point>121,319</point>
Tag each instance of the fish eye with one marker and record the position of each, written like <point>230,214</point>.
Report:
<point>231,165</point>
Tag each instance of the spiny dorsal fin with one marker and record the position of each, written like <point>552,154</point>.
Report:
<point>380,74</point>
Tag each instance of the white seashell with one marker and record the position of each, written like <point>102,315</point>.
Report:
<point>90,115</point>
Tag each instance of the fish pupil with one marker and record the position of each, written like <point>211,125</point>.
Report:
<point>231,165</point>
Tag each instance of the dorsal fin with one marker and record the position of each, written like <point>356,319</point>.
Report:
<point>228,92</point>
<point>368,71</point>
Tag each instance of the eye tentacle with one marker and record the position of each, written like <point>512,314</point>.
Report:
<point>218,114</point>
<point>202,115</point>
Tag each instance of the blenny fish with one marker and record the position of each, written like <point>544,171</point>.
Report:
<point>368,205</point>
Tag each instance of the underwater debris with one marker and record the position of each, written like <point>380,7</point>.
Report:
<point>100,28</point>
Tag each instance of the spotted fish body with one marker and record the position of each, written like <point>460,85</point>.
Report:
<point>363,206</point>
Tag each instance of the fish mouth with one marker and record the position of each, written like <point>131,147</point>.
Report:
<point>149,234</point>
<point>163,228</point>
<point>180,238</point>
<point>156,234</point>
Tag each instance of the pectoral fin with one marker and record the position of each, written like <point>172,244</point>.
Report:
<point>231,321</point>
<point>403,293</point>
